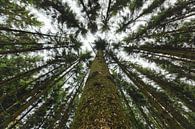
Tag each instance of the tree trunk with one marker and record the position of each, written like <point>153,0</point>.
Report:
<point>100,106</point>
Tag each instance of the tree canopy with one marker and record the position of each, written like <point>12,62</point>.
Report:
<point>47,48</point>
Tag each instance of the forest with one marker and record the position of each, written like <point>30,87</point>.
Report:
<point>97,64</point>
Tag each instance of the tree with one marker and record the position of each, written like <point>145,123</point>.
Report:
<point>100,105</point>
<point>138,74</point>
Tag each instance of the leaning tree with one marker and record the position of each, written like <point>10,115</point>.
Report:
<point>97,64</point>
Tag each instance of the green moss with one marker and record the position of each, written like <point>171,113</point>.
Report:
<point>100,106</point>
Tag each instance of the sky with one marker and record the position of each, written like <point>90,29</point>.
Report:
<point>110,35</point>
<point>87,40</point>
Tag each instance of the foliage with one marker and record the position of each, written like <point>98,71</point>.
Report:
<point>47,79</point>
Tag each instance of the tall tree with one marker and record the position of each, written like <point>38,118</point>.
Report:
<point>100,105</point>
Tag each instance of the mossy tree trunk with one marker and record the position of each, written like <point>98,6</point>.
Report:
<point>100,106</point>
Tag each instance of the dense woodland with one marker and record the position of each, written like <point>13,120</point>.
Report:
<point>138,72</point>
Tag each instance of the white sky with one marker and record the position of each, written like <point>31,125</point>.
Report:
<point>110,35</point>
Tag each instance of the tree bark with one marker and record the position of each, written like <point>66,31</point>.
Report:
<point>100,106</point>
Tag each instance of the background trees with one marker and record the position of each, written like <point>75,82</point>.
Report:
<point>150,54</point>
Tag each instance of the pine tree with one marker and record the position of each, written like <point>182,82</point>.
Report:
<point>100,105</point>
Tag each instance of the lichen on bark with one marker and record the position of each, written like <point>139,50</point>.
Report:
<point>100,106</point>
